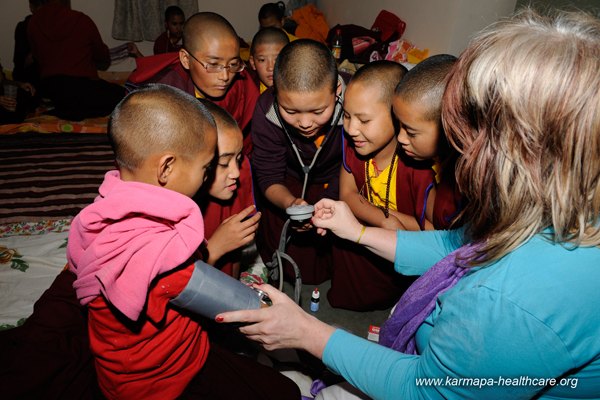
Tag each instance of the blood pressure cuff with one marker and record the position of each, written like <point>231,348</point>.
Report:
<point>210,292</point>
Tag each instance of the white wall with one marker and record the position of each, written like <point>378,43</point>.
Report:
<point>443,26</point>
<point>243,15</point>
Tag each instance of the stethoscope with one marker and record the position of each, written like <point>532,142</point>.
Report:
<point>307,168</point>
<point>276,264</point>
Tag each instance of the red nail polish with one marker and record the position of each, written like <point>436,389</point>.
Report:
<point>219,319</point>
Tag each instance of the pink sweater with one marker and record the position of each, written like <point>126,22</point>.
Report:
<point>132,233</point>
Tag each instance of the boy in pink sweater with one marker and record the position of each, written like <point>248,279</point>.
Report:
<point>133,251</point>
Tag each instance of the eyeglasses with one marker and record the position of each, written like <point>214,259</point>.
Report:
<point>233,67</point>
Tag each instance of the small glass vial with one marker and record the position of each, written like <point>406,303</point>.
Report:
<point>314,300</point>
<point>336,45</point>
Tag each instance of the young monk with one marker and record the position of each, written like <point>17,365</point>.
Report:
<point>417,104</point>
<point>208,66</point>
<point>266,45</point>
<point>134,251</point>
<point>171,39</point>
<point>227,210</point>
<point>383,188</point>
<point>272,15</point>
<point>298,124</point>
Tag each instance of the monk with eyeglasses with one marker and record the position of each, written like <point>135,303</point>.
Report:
<point>208,66</point>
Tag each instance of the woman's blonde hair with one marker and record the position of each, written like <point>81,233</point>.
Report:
<point>522,107</point>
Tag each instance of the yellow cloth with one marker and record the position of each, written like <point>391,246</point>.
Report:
<point>379,184</point>
<point>290,36</point>
<point>437,168</point>
<point>311,23</point>
<point>262,87</point>
<point>198,94</point>
<point>245,53</point>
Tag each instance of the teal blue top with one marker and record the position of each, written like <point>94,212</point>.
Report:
<point>502,332</point>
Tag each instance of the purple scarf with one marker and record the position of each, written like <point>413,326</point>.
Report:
<point>398,332</point>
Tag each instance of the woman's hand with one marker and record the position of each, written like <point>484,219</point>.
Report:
<point>337,217</point>
<point>283,325</point>
<point>233,233</point>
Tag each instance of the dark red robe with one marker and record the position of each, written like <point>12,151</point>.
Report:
<point>239,100</point>
<point>361,280</point>
<point>214,212</point>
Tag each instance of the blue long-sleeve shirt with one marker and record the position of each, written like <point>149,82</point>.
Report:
<point>502,332</point>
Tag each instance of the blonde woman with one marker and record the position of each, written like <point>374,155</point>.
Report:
<point>512,314</point>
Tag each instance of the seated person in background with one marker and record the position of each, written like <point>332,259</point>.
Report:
<point>171,39</point>
<point>133,251</point>
<point>26,68</point>
<point>298,123</point>
<point>382,186</point>
<point>230,200</point>
<point>509,311</point>
<point>16,99</point>
<point>68,48</point>
<point>266,45</point>
<point>272,15</point>
<point>417,105</point>
<point>208,66</point>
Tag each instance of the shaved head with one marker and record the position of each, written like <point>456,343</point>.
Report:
<point>425,84</point>
<point>305,65</point>
<point>155,119</point>
<point>204,26</point>
<point>269,35</point>
<point>222,118</point>
<point>383,75</point>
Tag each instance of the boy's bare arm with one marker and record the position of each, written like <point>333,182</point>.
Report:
<point>280,196</point>
<point>360,206</point>
<point>409,223</point>
<point>429,209</point>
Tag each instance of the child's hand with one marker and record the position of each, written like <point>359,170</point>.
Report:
<point>28,87</point>
<point>304,227</point>
<point>298,202</point>
<point>8,102</point>
<point>133,50</point>
<point>234,232</point>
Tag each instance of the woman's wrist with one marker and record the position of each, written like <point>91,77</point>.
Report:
<point>315,336</point>
<point>355,233</point>
<point>360,235</point>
